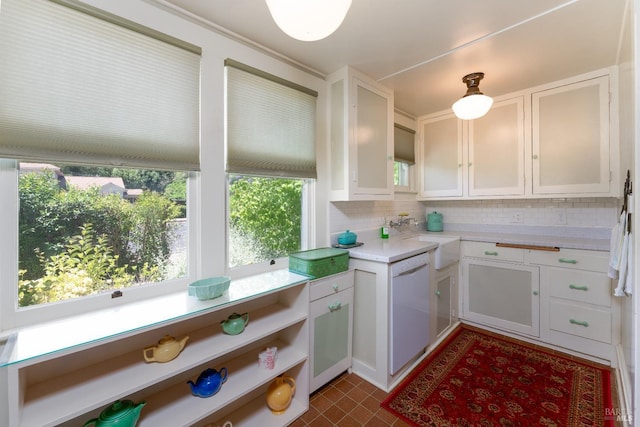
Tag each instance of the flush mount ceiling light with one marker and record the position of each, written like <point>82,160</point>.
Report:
<point>308,20</point>
<point>473,104</point>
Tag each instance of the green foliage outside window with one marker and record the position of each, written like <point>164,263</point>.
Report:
<point>265,218</point>
<point>78,242</point>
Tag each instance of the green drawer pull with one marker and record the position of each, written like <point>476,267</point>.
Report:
<point>491,253</point>
<point>438,293</point>
<point>335,306</point>
<point>579,322</point>
<point>578,288</point>
<point>567,261</point>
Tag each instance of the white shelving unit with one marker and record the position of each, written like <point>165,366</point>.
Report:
<point>73,385</point>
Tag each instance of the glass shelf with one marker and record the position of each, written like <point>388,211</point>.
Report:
<point>36,341</point>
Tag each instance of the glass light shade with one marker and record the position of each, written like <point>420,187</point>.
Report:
<point>472,106</point>
<point>308,20</point>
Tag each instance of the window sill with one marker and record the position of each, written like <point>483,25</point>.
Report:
<point>111,324</point>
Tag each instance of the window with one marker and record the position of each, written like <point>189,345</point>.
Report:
<point>79,90</point>
<point>404,158</point>
<point>266,218</point>
<point>270,165</point>
<point>89,230</point>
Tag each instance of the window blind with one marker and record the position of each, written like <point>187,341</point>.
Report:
<point>270,124</point>
<point>403,144</point>
<point>78,88</point>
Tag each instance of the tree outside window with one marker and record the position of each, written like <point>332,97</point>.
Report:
<point>84,231</point>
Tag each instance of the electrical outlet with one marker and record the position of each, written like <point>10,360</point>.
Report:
<point>561,218</point>
<point>516,218</point>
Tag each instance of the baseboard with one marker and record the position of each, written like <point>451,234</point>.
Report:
<point>623,414</point>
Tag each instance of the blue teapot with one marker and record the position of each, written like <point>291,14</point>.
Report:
<point>208,383</point>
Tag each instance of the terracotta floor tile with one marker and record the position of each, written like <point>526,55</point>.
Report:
<point>334,414</point>
<point>346,404</point>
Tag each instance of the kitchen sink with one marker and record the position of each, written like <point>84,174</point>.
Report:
<point>448,250</point>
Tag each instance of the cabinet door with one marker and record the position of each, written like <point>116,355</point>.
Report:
<point>444,299</point>
<point>373,134</point>
<point>571,138</point>
<point>496,150</point>
<point>331,337</point>
<point>502,294</point>
<point>441,150</point>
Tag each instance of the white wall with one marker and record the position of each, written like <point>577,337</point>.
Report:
<point>589,217</point>
<point>627,123</point>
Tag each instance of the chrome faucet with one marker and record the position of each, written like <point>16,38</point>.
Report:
<point>403,220</point>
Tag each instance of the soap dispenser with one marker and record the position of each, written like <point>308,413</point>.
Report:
<point>384,230</point>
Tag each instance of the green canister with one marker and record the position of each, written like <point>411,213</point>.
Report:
<point>434,221</point>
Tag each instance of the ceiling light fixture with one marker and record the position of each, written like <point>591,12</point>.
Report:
<point>474,104</point>
<point>308,20</point>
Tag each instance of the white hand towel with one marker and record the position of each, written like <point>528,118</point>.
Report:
<point>615,247</point>
<point>628,284</point>
<point>623,257</point>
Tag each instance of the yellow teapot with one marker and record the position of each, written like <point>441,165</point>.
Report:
<point>167,349</point>
<point>280,393</point>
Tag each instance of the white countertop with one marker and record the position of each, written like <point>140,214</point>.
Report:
<point>400,246</point>
<point>562,242</point>
<point>391,250</point>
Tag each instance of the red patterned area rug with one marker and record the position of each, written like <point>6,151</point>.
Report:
<point>478,379</point>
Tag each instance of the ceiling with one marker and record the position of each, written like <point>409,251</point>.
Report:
<point>422,48</point>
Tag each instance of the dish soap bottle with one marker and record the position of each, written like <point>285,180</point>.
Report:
<point>384,230</point>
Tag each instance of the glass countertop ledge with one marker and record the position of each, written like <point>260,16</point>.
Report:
<point>39,340</point>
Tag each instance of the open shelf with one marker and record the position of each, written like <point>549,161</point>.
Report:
<point>177,406</point>
<point>73,387</point>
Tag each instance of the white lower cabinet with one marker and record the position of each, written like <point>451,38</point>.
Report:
<point>445,299</point>
<point>373,324</point>
<point>562,297</point>
<point>502,294</point>
<point>73,385</point>
<point>579,310</point>
<point>331,328</point>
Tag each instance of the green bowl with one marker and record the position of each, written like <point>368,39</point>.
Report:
<point>209,288</point>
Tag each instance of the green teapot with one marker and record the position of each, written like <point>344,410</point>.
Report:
<point>122,413</point>
<point>235,323</point>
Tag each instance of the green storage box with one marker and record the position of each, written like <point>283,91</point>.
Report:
<point>319,262</point>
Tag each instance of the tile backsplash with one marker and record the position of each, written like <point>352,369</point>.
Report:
<point>565,216</point>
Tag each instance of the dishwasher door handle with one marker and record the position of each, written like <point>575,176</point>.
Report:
<point>411,271</point>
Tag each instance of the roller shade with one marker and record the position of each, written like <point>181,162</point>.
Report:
<point>270,124</point>
<point>85,87</point>
<point>403,144</point>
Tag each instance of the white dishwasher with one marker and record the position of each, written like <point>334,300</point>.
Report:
<point>409,307</point>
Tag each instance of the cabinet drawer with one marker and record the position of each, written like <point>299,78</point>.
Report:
<point>580,286</point>
<point>491,251</point>
<point>330,285</point>
<point>573,259</point>
<point>581,321</point>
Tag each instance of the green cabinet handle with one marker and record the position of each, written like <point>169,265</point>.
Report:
<point>335,306</point>
<point>336,287</point>
<point>579,322</point>
<point>567,261</point>
<point>491,253</point>
<point>438,293</point>
<point>535,293</point>
<point>578,288</point>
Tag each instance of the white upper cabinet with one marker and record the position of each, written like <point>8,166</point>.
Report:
<point>496,150</point>
<point>441,156</point>
<point>361,133</point>
<point>482,157</point>
<point>557,139</point>
<point>571,138</point>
